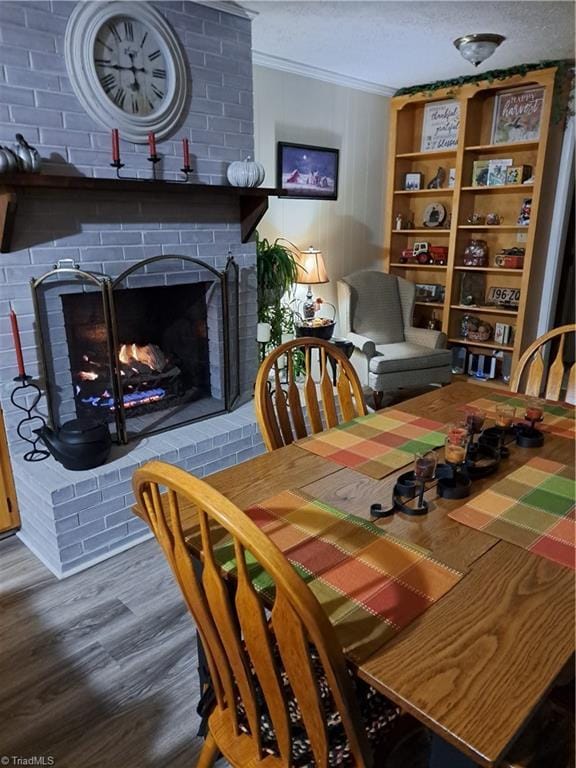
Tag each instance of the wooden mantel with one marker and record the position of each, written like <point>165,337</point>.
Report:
<point>253,200</point>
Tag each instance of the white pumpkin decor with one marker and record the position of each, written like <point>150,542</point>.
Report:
<point>245,173</point>
<point>8,161</point>
<point>28,156</point>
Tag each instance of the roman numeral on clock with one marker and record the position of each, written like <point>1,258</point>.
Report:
<point>115,33</point>
<point>128,31</point>
<point>103,44</point>
<point>134,105</point>
<point>157,91</point>
<point>143,40</point>
<point>108,82</point>
<point>102,62</point>
<point>153,55</point>
<point>160,73</point>
<point>120,97</point>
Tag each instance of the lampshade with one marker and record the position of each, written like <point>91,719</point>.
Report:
<point>477,48</point>
<point>311,267</point>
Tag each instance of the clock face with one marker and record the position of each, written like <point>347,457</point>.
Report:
<point>131,65</point>
<point>126,67</point>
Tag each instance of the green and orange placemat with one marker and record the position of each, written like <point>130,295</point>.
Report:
<point>370,583</point>
<point>377,444</point>
<point>558,419</point>
<point>533,507</point>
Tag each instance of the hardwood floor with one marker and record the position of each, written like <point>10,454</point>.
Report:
<point>99,669</point>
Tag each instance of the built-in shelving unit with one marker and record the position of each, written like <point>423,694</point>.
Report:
<point>253,201</point>
<point>474,143</point>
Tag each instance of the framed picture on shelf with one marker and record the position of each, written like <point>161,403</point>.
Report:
<point>497,170</point>
<point>440,125</point>
<point>480,173</point>
<point>306,171</point>
<point>413,181</point>
<point>517,115</point>
<point>518,174</point>
<point>432,292</point>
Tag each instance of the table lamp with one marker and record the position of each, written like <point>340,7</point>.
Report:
<point>311,271</point>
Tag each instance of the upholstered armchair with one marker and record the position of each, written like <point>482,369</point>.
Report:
<point>375,311</point>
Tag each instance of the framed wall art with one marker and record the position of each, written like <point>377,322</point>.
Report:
<point>440,125</point>
<point>517,115</point>
<point>307,172</point>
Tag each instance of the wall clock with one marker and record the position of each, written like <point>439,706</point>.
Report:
<point>126,67</point>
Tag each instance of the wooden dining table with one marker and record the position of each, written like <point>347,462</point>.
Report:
<point>474,667</point>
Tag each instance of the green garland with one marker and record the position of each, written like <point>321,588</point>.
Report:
<point>561,108</point>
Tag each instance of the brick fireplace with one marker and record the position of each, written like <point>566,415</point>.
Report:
<point>74,519</point>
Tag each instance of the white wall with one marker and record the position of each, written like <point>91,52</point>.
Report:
<point>350,230</point>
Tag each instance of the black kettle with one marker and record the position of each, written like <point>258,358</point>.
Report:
<point>78,444</point>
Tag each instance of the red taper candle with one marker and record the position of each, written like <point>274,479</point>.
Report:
<point>152,144</point>
<point>115,146</point>
<point>17,342</point>
<point>186,152</point>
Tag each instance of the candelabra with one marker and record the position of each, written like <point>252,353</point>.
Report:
<point>25,384</point>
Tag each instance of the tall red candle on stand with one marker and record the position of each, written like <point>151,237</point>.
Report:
<point>152,144</point>
<point>115,146</point>
<point>17,342</point>
<point>186,152</point>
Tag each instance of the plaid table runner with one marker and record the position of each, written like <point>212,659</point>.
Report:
<point>558,419</point>
<point>533,507</point>
<point>370,584</point>
<point>376,444</point>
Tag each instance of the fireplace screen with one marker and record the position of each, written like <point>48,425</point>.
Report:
<point>142,357</point>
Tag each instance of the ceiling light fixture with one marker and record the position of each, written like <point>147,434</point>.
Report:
<point>477,48</point>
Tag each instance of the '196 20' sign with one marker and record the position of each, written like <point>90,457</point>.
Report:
<point>440,125</point>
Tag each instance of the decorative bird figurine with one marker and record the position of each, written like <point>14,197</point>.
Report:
<point>438,180</point>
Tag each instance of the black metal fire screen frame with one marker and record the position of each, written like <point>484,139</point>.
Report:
<point>228,281</point>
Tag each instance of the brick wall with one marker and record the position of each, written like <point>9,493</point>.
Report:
<point>104,231</point>
<point>36,97</point>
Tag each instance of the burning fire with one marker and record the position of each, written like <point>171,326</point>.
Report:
<point>149,354</point>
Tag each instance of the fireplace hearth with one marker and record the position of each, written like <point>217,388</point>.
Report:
<point>135,352</point>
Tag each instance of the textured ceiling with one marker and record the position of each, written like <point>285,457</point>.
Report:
<point>403,43</point>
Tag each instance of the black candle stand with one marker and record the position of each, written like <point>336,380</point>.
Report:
<point>454,482</point>
<point>25,384</point>
<point>529,436</point>
<point>154,159</point>
<point>407,488</point>
<point>481,459</point>
<point>118,165</point>
<point>186,170</point>
<point>498,438</point>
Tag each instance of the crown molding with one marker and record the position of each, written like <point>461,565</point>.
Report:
<point>297,68</point>
<point>228,6</point>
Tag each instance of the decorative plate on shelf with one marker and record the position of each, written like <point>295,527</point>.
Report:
<point>434,215</point>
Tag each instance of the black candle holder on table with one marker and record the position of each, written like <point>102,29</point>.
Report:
<point>454,482</point>
<point>451,481</point>
<point>498,438</point>
<point>482,459</point>
<point>407,488</point>
<point>26,385</point>
<point>527,436</point>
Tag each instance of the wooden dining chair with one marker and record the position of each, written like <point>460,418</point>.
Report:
<point>284,695</point>
<point>532,365</point>
<point>279,404</point>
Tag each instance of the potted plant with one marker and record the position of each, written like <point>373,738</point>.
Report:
<point>277,271</point>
